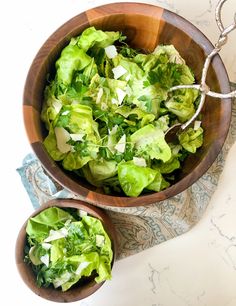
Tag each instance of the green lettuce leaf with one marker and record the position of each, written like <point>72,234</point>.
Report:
<point>73,161</point>
<point>102,169</point>
<point>158,183</point>
<point>64,249</point>
<point>191,139</point>
<point>133,179</point>
<point>50,143</point>
<point>182,104</point>
<point>72,59</point>
<point>87,262</point>
<point>150,141</point>
<point>39,226</point>
<point>96,38</point>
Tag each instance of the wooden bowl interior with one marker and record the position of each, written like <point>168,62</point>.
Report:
<point>85,287</point>
<point>145,26</point>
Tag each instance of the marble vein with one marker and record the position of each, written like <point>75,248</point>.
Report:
<point>220,231</point>
<point>154,277</point>
<point>209,9</point>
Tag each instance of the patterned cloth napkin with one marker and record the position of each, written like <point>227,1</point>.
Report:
<point>139,228</point>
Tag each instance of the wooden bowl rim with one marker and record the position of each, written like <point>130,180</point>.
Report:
<point>104,200</point>
<point>77,293</point>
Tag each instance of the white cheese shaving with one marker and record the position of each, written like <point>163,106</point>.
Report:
<point>77,137</point>
<point>120,146</point>
<point>118,71</point>
<point>62,279</point>
<point>139,161</point>
<point>114,101</point>
<point>65,113</point>
<point>35,260</point>
<point>54,235</point>
<point>120,95</point>
<point>81,267</point>
<point>46,246</point>
<point>100,240</point>
<point>45,259</point>
<point>111,51</point>
<point>82,213</point>
<point>197,125</point>
<point>99,96</point>
<point>113,130</point>
<point>62,137</point>
<point>128,91</point>
<point>128,77</point>
<point>57,106</point>
<point>176,58</point>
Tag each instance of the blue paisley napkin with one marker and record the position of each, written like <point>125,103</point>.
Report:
<point>139,228</point>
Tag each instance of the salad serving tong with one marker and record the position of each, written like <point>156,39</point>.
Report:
<point>203,88</point>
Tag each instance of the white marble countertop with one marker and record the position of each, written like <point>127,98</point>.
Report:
<point>197,268</point>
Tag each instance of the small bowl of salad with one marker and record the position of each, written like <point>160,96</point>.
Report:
<point>98,103</point>
<point>65,250</point>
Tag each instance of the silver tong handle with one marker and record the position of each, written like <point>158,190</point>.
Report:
<point>203,88</point>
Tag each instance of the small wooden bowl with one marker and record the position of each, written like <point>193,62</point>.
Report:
<point>77,292</point>
<point>145,26</point>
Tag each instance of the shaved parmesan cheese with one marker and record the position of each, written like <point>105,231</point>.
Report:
<point>111,51</point>
<point>128,77</point>
<point>100,93</point>
<point>46,246</point>
<point>65,277</point>
<point>45,259</point>
<point>33,257</point>
<point>120,146</point>
<point>118,71</point>
<point>54,235</point>
<point>65,113</point>
<point>175,58</point>
<point>81,267</point>
<point>120,95</point>
<point>139,161</point>
<point>62,137</point>
<point>100,240</point>
<point>113,130</point>
<point>82,213</point>
<point>57,106</point>
<point>114,101</point>
<point>77,137</point>
<point>197,124</point>
<point>128,91</point>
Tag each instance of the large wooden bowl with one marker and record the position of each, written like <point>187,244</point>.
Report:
<point>145,26</point>
<point>78,291</point>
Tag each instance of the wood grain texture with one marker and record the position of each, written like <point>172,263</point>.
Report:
<point>145,26</point>
<point>32,123</point>
<point>77,292</point>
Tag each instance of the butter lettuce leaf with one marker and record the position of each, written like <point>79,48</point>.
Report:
<point>133,179</point>
<point>182,104</point>
<point>96,38</point>
<point>72,59</point>
<point>150,140</point>
<point>191,139</point>
<point>103,109</point>
<point>65,247</point>
<point>38,227</point>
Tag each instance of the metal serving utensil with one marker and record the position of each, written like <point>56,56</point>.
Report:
<point>203,88</point>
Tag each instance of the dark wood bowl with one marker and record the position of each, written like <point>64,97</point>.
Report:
<point>76,292</point>
<point>145,26</point>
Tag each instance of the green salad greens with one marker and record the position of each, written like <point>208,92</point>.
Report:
<point>107,109</point>
<point>66,245</point>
